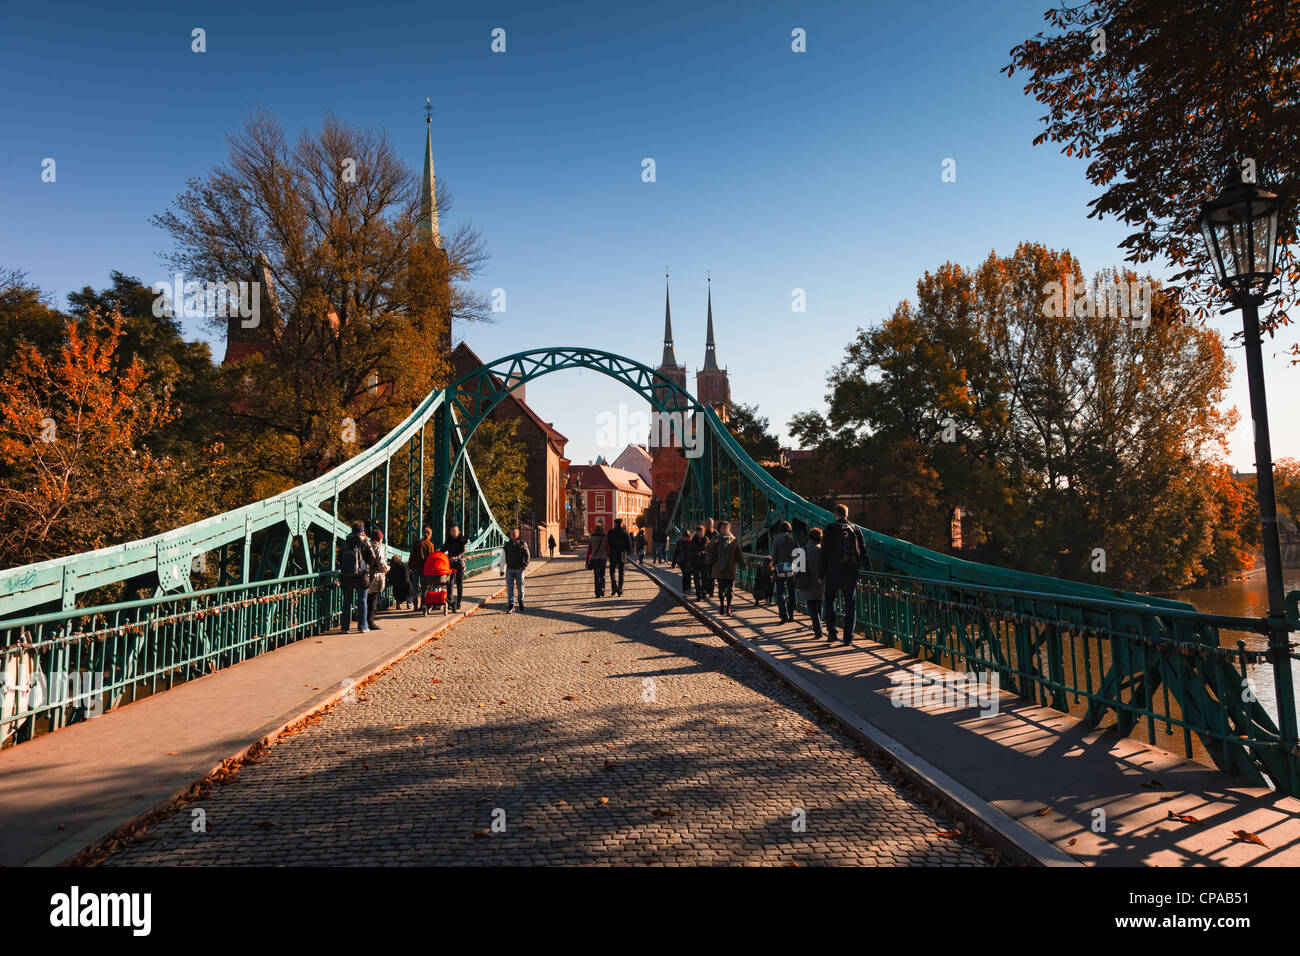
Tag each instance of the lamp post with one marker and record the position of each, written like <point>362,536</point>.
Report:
<point>1240,228</point>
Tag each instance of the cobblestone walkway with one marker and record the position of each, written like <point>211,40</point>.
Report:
<point>579,731</point>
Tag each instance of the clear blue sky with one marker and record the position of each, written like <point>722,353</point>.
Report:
<point>775,170</point>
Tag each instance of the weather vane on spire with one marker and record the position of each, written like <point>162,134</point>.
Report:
<point>428,110</point>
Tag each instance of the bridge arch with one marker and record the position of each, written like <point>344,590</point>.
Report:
<point>470,399</point>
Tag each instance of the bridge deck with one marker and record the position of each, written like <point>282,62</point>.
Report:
<point>63,791</point>
<point>1039,769</point>
<point>614,731</point>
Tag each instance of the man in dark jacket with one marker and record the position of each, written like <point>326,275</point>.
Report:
<point>619,543</point>
<point>660,539</point>
<point>454,546</point>
<point>684,560</point>
<point>699,560</point>
<point>844,552</point>
<point>514,558</point>
<point>356,560</point>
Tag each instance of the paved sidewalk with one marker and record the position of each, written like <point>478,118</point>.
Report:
<point>578,731</point>
<point>1078,779</point>
<point>66,790</point>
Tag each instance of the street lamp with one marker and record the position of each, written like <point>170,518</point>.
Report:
<point>1240,227</point>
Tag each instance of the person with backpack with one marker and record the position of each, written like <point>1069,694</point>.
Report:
<point>619,543</point>
<point>415,567</point>
<point>724,561</point>
<point>597,555</point>
<point>784,546</point>
<point>399,580</point>
<point>700,560</point>
<point>659,537</point>
<point>845,552</point>
<point>378,577</point>
<point>514,559</point>
<point>455,546</point>
<point>809,580</point>
<point>639,544</point>
<point>684,560</point>
<point>355,561</point>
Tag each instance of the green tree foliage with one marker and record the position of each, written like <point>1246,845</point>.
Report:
<point>1160,102</point>
<point>501,462</point>
<point>751,430</point>
<point>353,327</point>
<point>1058,434</point>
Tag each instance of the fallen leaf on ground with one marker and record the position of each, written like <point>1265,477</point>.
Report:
<point>604,800</point>
<point>1183,817</point>
<point>1043,812</point>
<point>660,812</point>
<point>1245,836</point>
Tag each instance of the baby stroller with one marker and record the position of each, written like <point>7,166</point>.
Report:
<point>437,573</point>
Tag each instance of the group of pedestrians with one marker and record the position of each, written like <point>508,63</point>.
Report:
<point>365,571</point>
<point>709,559</point>
<point>608,551</point>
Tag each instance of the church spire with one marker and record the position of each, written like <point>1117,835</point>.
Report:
<point>670,358</point>
<point>428,188</point>
<point>710,351</point>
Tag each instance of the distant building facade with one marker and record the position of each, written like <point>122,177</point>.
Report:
<point>608,493</point>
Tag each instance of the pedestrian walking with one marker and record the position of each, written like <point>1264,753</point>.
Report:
<point>640,545</point>
<point>724,560</point>
<point>550,543</point>
<point>455,546</point>
<point>660,539</point>
<point>784,546</point>
<point>618,543</point>
<point>845,552</point>
<point>809,581</point>
<point>684,561</point>
<point>710,532</point>
<point>415,567</point>
<point>355,562</point>
<point>399,580</point>
<point>378,577</point>
<point>514,559</point>
<point>700,561</point>
<point>763,581</point>
<point>597,555</point>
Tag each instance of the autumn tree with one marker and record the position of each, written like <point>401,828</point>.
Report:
<point>1160,101</point>
<point>76,474</point>
<point>1061,429</point>
<point>501,462</point>
<point>353,325</point>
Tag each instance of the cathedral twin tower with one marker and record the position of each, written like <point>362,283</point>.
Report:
<point>712,388</point>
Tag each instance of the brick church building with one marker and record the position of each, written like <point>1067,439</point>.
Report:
<point>712,388</point>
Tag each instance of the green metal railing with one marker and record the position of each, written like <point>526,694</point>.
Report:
<point>67,666</point>
<point>1112,663</point>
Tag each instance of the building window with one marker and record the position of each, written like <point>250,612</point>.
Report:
<point>600,501</point>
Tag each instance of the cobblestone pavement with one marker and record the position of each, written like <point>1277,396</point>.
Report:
<point>579,731</point>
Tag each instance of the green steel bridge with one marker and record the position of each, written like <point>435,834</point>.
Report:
<point>264,575</point>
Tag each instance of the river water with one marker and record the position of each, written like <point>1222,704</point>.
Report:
<point>1246,598</point>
